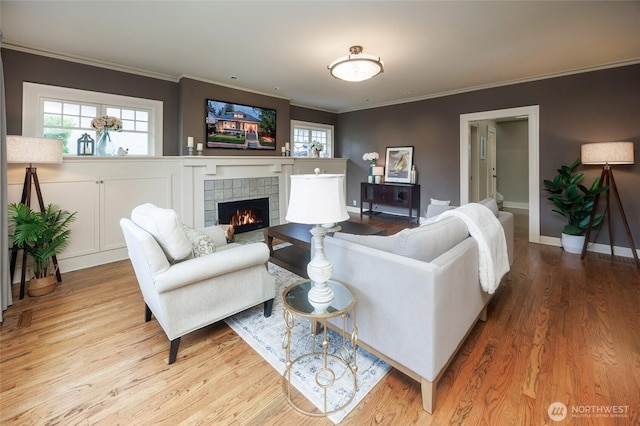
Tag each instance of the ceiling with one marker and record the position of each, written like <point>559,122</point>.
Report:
<point>283,48</point>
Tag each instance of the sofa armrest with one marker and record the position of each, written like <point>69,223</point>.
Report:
<point>216,264</point>
<point>507,221</point>
<point>413,312</point>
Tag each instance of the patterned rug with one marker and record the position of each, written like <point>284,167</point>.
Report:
<point>265,335</point>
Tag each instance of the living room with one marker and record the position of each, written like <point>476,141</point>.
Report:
<point>596,102</point>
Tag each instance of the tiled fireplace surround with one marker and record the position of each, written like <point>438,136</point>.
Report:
<point>210,180</point>
<point>226,190</point>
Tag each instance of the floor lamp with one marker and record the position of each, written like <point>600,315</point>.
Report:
<point>608,154</point>
<point>21,149</point>
<point>318,200</point>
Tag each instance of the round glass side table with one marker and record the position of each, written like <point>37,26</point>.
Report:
<point>331,367</point>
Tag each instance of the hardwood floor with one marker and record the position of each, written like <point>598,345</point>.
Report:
<point>561,330</point>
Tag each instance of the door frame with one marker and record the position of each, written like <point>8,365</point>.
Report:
<point>533,115</point>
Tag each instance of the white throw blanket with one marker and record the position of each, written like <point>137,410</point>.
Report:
<point>486,229</point>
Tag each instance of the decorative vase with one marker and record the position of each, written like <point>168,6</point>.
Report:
<point>371,178</point>
<point>105,147</point>
<point>42,286</point>
<point>572,243</point>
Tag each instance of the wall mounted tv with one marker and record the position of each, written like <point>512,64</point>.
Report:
<point>239,126</point>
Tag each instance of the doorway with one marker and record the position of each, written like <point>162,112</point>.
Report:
<point>466,129</point>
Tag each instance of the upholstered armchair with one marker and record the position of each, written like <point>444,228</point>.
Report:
<point>189,278</point>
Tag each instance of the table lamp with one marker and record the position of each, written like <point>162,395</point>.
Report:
<point>378,172</point>
<point>608,154</point>
<point>21,149</point>
<point>318,200</point>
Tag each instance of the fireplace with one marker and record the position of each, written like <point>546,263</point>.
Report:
<point>245,215</point>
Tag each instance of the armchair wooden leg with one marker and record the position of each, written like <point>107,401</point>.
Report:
<point>147,313</point>
<point>428,395</point>
<point>173,350</point>
<point>268,306</point>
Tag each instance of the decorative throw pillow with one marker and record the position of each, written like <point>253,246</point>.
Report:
<point>165,226</point>
<point>440,202</point>
<point>201,243</point>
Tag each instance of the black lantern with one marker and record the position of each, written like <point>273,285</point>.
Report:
<point>86,145</point>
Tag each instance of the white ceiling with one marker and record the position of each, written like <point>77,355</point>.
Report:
<point>283,48</point>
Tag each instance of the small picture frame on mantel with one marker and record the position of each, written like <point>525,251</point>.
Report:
<point>398,162</point>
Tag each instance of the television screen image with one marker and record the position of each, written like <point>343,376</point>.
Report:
<point>239,126</point>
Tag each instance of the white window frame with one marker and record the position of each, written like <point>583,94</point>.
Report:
<point>315,126</point>
<point>33,95</point>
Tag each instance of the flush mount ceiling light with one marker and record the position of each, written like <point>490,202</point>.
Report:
<point>357,66</point>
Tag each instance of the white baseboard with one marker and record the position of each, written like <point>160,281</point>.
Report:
<point>78,262</point>
<point>515,205</point>
<point>592,247</point>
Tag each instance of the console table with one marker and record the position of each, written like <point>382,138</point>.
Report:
<point>390,194</point>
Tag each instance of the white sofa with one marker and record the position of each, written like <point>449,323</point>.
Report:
<point>191,279</point>
<point>418,292</point>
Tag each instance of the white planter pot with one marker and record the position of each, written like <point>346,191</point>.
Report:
<point>572,243</point>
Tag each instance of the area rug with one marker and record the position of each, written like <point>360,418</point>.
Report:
<point>265,335</point>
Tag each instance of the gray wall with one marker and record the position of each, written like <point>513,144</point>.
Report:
<point>589,107</point>
<point>192,100</point>
<point>184,102</point>
<point>513,160</point>
<point>20,67</point>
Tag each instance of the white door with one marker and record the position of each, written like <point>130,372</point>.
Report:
<point>492,174</point>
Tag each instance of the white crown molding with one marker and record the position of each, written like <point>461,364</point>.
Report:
<point>87,61</point>
<point>634,61</point>
<point>147,73</point>
<point>231,86</point>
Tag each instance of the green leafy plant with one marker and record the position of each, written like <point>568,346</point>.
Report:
<point>41,235</point>
<point>573,200</point>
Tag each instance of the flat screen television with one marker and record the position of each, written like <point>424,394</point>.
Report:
<point>238,126</point>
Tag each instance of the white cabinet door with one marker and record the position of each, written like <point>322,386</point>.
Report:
<point>119,195</point>
<point>80,196</point>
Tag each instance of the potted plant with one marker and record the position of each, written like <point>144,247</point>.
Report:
<point>575,202</point>
<point>41,235</point>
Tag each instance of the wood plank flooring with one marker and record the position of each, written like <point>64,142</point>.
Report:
<point>561,330</point>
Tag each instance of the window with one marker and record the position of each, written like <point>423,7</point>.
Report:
<point>66,114</point>
<point>303,134</point>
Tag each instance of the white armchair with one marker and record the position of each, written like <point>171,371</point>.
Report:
<point>186,293</point>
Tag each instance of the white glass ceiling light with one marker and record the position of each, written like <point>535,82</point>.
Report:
<point>357,66</point>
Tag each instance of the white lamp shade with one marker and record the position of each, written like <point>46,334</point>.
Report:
<point>22,149</point>
<point>378,171</point>
<point>607,153</point>
<point>317,199</point>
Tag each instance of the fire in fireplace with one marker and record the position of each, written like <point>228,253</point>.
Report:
<point>245,215</point>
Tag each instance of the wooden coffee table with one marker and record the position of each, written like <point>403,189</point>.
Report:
<point>295,257</point>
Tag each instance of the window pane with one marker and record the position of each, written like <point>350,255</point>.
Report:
<point>142,126</point>
<point>85,122</point>
<point>52,120</point>
<point>71,109</point>
<point>55,107</point>
<point>128,125</point>
<point>71,121</point>
<point>113,112</point>
<point>128,114</point>
<point>89,111</point>
<point>142,116</point>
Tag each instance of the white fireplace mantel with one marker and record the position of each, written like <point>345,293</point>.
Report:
<point>198,169</point>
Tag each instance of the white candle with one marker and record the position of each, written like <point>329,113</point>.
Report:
<point>199,147</point>
<point>190,141</point>
<point>286,145</point>
<point>283,149</point>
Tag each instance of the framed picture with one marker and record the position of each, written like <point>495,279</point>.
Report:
<point>483,148</point>
<point>398,164</point>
